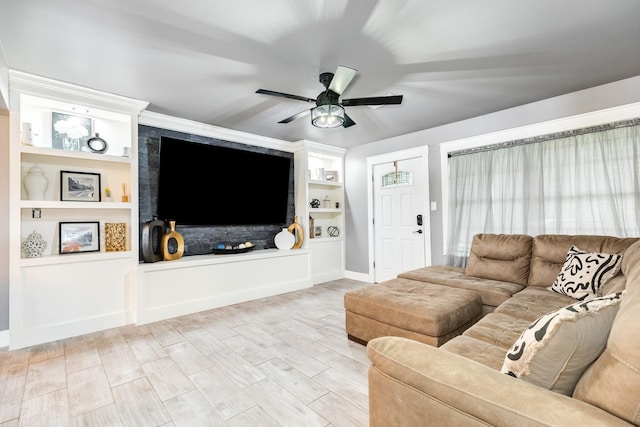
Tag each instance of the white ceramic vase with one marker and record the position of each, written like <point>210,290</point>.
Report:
<point>34,245</point>
<point>284,240</point>
<point>36,183</point>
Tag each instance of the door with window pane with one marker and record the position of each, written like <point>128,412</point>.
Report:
<point>399,192</point>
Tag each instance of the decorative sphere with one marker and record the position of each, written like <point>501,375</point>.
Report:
<point>242,246</point>
<point>228,247</point>
<point>220,245</point>
<point>248,244</point>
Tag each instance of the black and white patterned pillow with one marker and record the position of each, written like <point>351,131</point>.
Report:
<point>556,349</point>
<point>583,274</point>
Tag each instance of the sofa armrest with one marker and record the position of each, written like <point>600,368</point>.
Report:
<point>411,383</point>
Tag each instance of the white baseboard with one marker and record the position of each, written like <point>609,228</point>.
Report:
<point>363,277</point>
<point>4,338</point>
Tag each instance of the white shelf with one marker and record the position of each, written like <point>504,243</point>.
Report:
<point>324,239</point>
<point>324,210</point>
<point>48,204</point>
<point>212,259</point>
<point>67,154</point>
<point>73,258</point>
<point>326,183</point>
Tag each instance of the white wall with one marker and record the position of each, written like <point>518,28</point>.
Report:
<point>356,239</point>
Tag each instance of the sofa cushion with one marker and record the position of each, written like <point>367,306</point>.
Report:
<point>584,273</point>
<point>477,350</point>
<point>549,252</point>
<point>554,351</point>
<point>498,329</point>
<point>492,292</point>
<point>612,382</point>
<point>504,257</point>
<point>533,302</point>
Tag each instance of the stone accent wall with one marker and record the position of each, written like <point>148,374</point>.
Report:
<point>199,240</point>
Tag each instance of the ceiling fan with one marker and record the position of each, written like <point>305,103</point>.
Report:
<point>329,111</point>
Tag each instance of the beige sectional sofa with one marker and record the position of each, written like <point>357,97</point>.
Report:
<point>461,383</point>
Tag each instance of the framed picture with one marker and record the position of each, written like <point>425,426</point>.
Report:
<point>317,231</point>
<point>80,186</point>
<point>79,237</point>
<point>70,132</point>
<point>331,175</point>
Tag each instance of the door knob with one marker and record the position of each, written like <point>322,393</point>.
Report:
<point>418,231</point>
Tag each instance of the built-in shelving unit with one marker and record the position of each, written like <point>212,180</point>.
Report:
<point>58,295</point>
<point>320,174</point>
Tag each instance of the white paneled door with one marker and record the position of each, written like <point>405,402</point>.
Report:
<point>400,223</point>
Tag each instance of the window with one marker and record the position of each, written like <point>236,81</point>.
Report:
<point>397,178</point>
<point>578,182</point>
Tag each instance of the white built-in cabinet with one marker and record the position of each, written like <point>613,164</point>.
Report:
<point>320,176</point>
<point>56,295</point>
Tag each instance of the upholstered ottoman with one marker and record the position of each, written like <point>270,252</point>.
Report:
<point>425,312</point>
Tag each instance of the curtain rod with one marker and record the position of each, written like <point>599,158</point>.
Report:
<point>547,137</point>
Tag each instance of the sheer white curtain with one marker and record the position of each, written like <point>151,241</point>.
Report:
<point>579,184</point>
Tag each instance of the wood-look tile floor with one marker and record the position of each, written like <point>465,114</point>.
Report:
<point>278,361</point>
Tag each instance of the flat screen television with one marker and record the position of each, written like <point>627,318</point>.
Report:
<point>208,185</point>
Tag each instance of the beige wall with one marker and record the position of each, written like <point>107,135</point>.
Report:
<point>4,192</point>
<point>4,220</point>
<point>4,81</point>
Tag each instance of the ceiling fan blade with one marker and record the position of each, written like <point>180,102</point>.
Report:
<point>284,95</point>
<point>341,79</point>
<point>347,121</point>
<point>295,116</point>
<point>375,100</point>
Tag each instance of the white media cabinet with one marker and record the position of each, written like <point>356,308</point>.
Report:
<point>196,283</point>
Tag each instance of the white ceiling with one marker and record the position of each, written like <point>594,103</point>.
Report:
<point>204,60</point>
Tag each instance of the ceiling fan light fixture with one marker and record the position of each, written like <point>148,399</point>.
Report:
<point>327,116</point>
<point>329,110</point>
